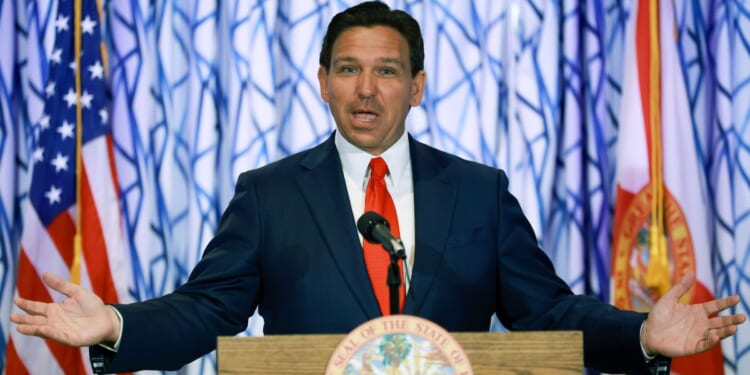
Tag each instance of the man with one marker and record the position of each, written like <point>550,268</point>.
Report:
<point>287,242</point>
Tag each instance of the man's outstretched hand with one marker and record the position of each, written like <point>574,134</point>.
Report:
<point>82,319</point>
<point>674,329</point>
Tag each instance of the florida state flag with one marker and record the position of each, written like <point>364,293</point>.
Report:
<point>662,206</point>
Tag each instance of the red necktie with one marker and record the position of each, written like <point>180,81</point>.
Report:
<point>377,259</point>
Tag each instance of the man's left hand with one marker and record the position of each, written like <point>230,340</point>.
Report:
<point>674,329</point>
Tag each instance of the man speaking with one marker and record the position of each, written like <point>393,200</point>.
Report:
<point>288,244</point>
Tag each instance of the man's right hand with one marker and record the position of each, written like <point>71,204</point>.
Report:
<point>82,319</point>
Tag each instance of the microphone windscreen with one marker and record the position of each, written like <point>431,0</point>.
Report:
<point>367,222</point>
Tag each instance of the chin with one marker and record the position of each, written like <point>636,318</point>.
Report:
<point>368,145</point>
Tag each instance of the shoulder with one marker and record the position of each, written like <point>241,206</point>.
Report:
<point>429,159</point>
<point>290,167</point>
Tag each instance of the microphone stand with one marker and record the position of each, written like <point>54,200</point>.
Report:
<point>394,276</point>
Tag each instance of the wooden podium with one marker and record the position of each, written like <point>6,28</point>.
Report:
<point>554,352</point>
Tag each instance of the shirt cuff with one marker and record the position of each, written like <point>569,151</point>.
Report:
<point>116,347</point>
<point>647,357</point>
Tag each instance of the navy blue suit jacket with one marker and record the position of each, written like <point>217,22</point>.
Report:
<point>288,244</point>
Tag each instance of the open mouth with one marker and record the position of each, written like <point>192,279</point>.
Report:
<point>364,116</point>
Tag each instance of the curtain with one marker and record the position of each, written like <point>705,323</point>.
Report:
<point>199,91</point>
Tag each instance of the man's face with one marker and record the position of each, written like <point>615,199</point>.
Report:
<point>370,87</point>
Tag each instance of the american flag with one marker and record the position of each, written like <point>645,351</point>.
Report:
<point>71,219</point>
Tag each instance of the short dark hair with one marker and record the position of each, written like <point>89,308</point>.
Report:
<point>373,13</point>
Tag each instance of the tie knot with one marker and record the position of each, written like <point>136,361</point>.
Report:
<point>378,168</point>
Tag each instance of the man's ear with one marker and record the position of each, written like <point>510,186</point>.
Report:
<point>417,88</point>
<point>323,82</point>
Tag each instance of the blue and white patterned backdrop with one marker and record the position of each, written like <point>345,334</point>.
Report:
<point>202,90</point>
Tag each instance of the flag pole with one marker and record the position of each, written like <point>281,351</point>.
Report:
<point>75,268</point>
<point>657,274</point>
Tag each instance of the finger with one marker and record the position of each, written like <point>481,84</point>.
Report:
<point>682,286</point>
<point>718,305</point>
<point>712,339</point>
<point>35,330</point>
<point>32,307</point>
<point>726,321</point>
<point>722,333</point>
<point>59,284</point>
<point>24,319</point>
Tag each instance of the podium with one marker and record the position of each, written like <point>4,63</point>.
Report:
<point>549,352</point>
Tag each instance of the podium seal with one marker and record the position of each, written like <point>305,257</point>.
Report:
<point>399,344</point>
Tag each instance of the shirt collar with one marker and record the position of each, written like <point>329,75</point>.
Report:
<point>355,162</point>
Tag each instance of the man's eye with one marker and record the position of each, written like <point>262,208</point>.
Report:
<point>387,71</point>
<point>348,69</point>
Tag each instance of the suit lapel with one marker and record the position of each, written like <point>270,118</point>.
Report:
<point>325,191</point>
<point>434,199</point>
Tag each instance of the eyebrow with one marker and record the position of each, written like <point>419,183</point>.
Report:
<point>382,60</point>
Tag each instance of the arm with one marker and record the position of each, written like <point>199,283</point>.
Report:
<point>221,293</point>
<point>532,297</point>
<point>170,331</point>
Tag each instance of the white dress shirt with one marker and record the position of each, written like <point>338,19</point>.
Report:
<point>355,163</point>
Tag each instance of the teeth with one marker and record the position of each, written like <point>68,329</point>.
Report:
<point>364,116</point>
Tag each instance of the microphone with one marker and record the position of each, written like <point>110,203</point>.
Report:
<point>375,229</point>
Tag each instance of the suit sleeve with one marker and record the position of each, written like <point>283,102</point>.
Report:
<point>221,293</point>
<point>532,297</point>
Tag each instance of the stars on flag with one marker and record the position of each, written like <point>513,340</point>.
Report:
<point>44,121</point>
<point>56,56</point>
<point>66,130</point>
<point>87,25</point>
<point>86,99</point>
<point>61,23</point>
<point>97,70</point>
<point>54,180</point>
<point>60,162</point>
<point>70,97</point>
<point>104,116</point>
<point>53,194</point>
<point>50,89</point>
<point>38,154</point>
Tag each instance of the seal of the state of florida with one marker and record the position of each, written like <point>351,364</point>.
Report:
<point>399,344</point>
<point>631,252</point>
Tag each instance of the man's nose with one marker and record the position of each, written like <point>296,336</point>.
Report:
<point>366,86</point>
